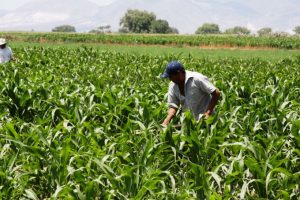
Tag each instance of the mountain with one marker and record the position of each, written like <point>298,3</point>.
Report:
<point>185,15</point>
<point>43,15</point>
<point>188,15</point>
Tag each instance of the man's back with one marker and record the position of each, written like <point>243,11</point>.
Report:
<point>5,55</point>
<point>198,91</point>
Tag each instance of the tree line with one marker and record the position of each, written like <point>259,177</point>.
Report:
<point>141,21</point>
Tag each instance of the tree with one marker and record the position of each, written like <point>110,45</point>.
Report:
<point>64,28</point>
<point>137,21</point>
<point>297,30</point>
<point>162,26</point>
<point>281,34</point>
<point>101,29</point>
<point>123,30</point>
<point>173,30</point>
<point>238,30</point>
<point>207,28</point>
<point>264,31</point>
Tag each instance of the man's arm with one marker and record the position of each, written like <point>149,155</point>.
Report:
<point>11,55</point>
<point>171,113</point>
<point>215,95</point>
<point>173,104</point>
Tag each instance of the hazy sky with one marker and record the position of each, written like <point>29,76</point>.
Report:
<point>12,4</point>
<point>281,15</point>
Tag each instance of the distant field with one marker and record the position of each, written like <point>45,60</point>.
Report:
<point>175,52</point>
<point>178,46</point>
<point>222,41</point>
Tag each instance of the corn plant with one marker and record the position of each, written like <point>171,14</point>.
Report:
<point>85,124</point>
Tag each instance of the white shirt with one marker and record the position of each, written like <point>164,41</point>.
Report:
<point>197,95</point>
<point>5,55</point>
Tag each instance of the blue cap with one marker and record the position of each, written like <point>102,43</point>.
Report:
<point>172,68</point>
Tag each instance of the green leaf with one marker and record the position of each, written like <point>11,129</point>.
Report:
<point>31,194</point>
<point>12,130</point>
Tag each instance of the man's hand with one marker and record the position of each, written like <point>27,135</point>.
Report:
<point>171,114</point>
<point>214,99</point>
<point>165,123</point>
<point>207,114</point>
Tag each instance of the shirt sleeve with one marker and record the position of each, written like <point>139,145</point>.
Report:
<point>173,100</point>
<point>205,85</point>
<point>10,53</point>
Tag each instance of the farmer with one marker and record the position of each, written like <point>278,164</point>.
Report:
<point>5,52</point>
<point>190,90</point>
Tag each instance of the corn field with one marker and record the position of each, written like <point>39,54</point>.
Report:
<point>85,124</point>
<point>282,42</point>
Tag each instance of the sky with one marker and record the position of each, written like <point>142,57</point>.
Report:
<point>280,15</point>
<point>13,4</point>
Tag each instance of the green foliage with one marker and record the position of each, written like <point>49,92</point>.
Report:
<point>238,30</point>
<point>161,26</point>
<point>123,30</point>
<point>264,31</point>
<point>173,30</point>
<point>64,28</point>
<point>137,21</point>
<point>281,34</point>
<point>208,29</point>
<point>274,41</point>
<point>85,124</point>
<point>297,30</point>
<point>101,29</point>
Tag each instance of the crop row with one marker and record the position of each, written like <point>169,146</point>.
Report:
<point>176,40</point>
